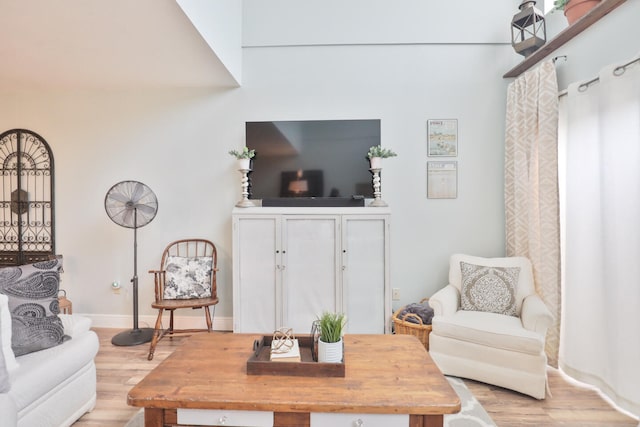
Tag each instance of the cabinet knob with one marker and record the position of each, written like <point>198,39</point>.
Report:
<point>358,423</point>
<point>222,420</point>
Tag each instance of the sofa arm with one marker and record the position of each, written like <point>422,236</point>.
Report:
<point>535,315</point>
<point>8,410</point>
<point>446,301</point>
<point>74,324</point>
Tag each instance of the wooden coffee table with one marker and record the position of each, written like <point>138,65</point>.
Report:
<point>385,374</point>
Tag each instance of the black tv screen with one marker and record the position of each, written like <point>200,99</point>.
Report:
<point>311,158</point>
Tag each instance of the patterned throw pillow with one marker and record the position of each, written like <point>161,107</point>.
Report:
<point>489,289</point>
<point>188,278</point>
<point>33,301</point>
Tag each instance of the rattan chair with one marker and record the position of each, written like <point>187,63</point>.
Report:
<point>186,279</point>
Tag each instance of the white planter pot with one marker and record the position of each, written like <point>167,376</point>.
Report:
<point>244,164</point>
<point>330,352</point>
<point>375,162</point>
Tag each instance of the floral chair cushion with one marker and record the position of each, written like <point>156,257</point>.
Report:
<point>188,278</point>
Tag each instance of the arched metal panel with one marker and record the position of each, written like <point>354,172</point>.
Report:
<point>27,227</point>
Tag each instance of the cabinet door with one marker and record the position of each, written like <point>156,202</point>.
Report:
<point>365,274</point>
<point>256,285</point>
<point>310,275</point>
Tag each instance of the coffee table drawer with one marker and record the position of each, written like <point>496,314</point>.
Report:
<point>223,417</point>
<point>358,420</point>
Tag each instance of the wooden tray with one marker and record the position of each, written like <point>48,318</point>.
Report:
<point>260,364</point>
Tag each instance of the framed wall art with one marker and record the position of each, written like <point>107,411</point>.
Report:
<point>442,180</point>
<point>442,137</point>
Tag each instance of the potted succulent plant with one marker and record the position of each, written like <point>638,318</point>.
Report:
<point>575,9</point>
<point>377,153</point>
<point>244,157</point>
<point>331,326</point>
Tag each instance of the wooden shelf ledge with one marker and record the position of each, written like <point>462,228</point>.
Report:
<point>567,34</point>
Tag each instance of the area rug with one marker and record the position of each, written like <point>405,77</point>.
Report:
<point>472,413</point>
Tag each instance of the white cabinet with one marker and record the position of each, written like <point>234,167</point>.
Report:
<point>291,264</point>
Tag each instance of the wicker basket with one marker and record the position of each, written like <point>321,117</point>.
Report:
<point>419,330</point>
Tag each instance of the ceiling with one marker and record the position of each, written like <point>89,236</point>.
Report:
<point>93,44</point>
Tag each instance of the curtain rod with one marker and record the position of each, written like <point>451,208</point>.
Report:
<point>618,71</point>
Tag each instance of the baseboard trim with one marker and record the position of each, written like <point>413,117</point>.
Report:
<point>148,321</point>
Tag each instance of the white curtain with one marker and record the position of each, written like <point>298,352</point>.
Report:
<point>600,187</point>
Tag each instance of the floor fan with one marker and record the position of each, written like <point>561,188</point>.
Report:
<point>132,204</point>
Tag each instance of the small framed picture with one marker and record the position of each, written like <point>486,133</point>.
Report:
<point>442,138</point>
<point>442,180</point>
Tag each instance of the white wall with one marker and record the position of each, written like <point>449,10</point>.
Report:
<point>403,63</point>
<point>403,86</point>
<point>176,141</point>
<point>612,39</point>
<point>220,24</point>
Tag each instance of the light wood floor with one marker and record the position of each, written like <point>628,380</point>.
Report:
<point>120,368</point>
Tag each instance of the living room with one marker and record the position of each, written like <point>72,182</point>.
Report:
<point>140,91</point>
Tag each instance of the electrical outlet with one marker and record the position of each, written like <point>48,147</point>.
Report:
<point>115,286</point>
<point>395,294</point>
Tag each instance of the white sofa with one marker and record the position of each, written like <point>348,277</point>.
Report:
<point>499,349</point>
<point>56,386</point>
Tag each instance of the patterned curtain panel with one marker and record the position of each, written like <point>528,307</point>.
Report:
<point>531,185</point>
<point>600,134</point>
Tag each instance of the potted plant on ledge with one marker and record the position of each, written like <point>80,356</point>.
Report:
<point>376,154</point>
<point>244,157</point>
<point>575,9</point>
<point>330,346</point>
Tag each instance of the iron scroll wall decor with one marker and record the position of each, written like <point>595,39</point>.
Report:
<point>27,214</point>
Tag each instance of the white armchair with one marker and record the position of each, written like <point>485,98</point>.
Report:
<point>473,338</point>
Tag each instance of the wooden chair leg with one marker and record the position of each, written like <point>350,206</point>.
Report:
<point>170,330</point>
<point>156,334</point>
<point>207,316</point>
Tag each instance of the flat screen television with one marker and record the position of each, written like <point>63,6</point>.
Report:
<point>318,159</point>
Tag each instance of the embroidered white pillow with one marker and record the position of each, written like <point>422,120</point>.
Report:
<point>489,289</point>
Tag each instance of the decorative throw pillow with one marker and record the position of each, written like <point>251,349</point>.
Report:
<point>33,301</point>
<point>489,289</point>
<point>188,278</point>
<point>5,334</point>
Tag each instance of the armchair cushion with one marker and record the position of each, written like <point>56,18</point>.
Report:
<point>186,276</point>
<point>490,330</point>
<point>489,289</point>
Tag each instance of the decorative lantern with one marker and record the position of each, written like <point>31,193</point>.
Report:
<point>528,29</point>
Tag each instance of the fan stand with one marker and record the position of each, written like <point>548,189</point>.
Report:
<point>135,336</point>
